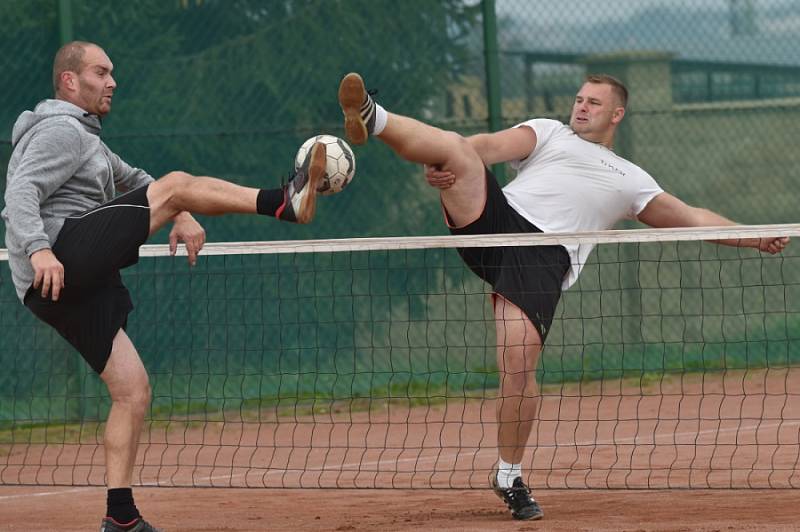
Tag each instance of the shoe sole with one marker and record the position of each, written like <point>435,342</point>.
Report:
<point>317,168</point>
<point>351,97</point>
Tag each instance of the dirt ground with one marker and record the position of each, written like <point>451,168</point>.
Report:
<point>615,441</point>
<point>213,509</point>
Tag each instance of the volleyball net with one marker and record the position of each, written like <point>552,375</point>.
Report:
<point>673,362</point>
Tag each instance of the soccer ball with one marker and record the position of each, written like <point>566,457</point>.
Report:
<point>341,163</point>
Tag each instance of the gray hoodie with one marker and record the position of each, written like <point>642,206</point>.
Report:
<point>59,168</point>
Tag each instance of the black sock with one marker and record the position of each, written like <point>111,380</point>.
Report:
<point>269,201</point>
<point>120,506</point>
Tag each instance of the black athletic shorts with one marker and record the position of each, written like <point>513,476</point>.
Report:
<point>93,247</point>
<point>528,276</point>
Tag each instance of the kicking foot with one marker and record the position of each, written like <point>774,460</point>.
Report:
<point>358,107</point>
<point>300,193</point>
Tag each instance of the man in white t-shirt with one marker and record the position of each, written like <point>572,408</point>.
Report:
<point>568,179</point>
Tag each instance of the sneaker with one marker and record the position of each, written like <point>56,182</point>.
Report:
<point>300,193</point>
<point>358,108</point>
<point>137,525</point>
<point>518,499</point>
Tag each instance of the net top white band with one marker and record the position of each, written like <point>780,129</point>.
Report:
<point>470,241</point>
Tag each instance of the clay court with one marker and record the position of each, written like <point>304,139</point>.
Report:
<point>613,441</point>
<point>350,510</point>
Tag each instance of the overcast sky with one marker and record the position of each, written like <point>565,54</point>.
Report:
<point>691,29</point>
<point>587,11</point>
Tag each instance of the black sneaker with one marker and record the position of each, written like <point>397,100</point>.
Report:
<point>358,108</point>
<point>518,499</point>
<point>137,525</point>
<point>300,194</point>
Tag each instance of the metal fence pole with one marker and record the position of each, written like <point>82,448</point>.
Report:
<point>65,21</point>
<point>492,75</point>
<point>76,382</point>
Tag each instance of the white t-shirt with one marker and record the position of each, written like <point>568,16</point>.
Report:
<point>572,185</point>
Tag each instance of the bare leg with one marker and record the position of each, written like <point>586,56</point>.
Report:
<point>518,342</point>
<point>178,191</point>
<point>418,142</point>
<point>129,388</point>
<point>518,348</point>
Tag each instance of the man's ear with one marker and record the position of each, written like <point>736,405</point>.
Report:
<point>69,81</point>
<point>619,114</point>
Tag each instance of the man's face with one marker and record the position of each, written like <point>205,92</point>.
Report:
<point>596,110</point>
<point>95,84</point>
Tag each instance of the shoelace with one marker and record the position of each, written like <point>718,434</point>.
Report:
<point>517,496</point>
<point>288,178</point>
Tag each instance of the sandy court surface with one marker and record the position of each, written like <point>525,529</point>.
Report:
<point>723,430</point>
<point>406,510</point>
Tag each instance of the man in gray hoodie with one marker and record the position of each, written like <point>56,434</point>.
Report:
<point>68,234</point>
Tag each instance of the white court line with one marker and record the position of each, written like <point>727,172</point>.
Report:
<point>47,493</point>
<point>484,451</point>
<point>677,435</point>
<point>353,466</point>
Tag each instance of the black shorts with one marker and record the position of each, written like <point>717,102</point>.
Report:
<point>528,276</point>
<point>93,247</point>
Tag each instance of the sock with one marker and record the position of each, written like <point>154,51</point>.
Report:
<point>374,115</point>
<point>381,116</point>
<point>506,473</point>
<point>120,506</point>
<point>269,201</point>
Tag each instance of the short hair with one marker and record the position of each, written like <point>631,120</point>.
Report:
<point>616,85</point>
<point>69,58</point>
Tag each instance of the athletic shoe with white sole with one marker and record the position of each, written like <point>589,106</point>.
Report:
<point>300,193</point>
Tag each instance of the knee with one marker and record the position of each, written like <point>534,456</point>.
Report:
<point>513,375</point>
<point>520,385</point>
<point>461,148</point>
<point>518,376</point>
<point>456,139</point>
<point>176,180</point>
<point>135,396</point>
<point>170,189</point>
<point>514,381</point>
<point>140,398</point>
<point>531,388</point>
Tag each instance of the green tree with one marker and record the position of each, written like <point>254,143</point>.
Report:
<point>232,88</point>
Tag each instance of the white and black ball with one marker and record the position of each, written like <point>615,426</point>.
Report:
<point>341,165</point>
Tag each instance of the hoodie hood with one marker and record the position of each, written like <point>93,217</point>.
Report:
<point>48,109</point>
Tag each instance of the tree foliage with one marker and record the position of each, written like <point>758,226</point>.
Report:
<point>233,87</point>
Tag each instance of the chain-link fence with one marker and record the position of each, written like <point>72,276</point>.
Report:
<point>232,87</point>
<point>715,88</point>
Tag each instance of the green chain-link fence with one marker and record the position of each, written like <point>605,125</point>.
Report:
<point>231,88</point>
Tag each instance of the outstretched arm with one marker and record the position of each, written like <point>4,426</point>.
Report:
<point>511,144</point>
<point>665,210</point>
